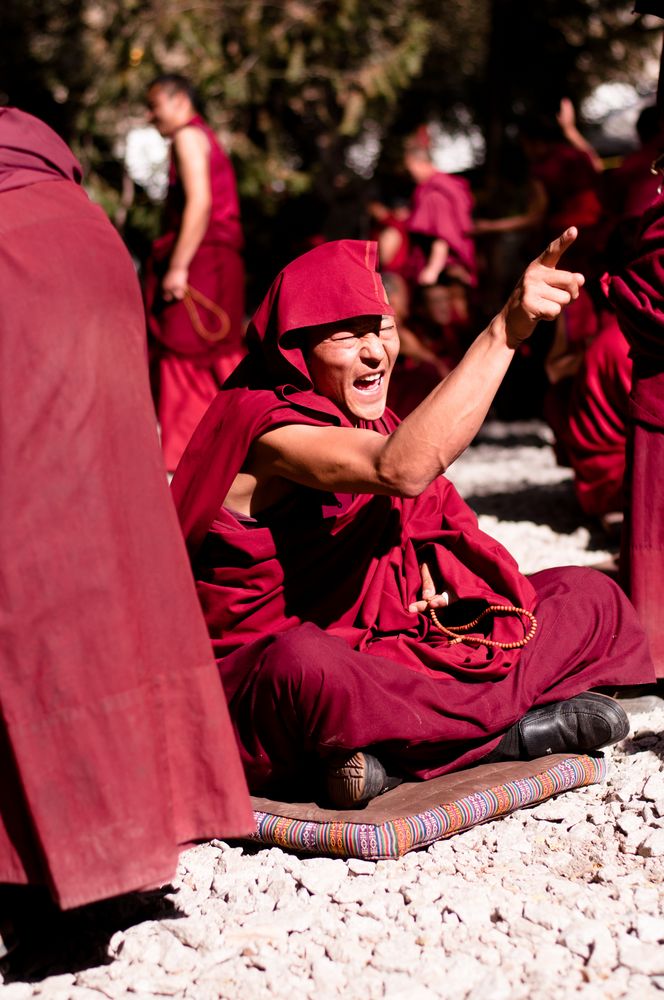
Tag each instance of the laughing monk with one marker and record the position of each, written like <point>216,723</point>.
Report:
<point>365,627</point>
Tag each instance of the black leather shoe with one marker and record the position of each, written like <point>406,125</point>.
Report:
<point>579,725</point>
<point>354,779</point>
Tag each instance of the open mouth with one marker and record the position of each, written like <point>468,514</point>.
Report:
<point>370,384</point>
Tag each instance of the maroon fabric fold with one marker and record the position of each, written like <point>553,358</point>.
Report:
<point>115,741</point>
<point>638,295</point>
<point>597,428</point>
<point>31,152</point>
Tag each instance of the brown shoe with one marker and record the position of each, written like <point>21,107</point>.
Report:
<point>355,779</point>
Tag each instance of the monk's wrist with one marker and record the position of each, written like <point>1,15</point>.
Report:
<point>501,332</point>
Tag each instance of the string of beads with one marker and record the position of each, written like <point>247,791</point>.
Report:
<point>452,632</point>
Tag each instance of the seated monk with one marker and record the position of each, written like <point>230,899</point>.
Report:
<point>364,626</point>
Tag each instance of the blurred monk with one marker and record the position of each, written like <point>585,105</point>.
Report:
<point>194,285</point>
<point>563,188</point>
<point>590,372</point>
<point>115,742</point>
<point>440,221</point>
<point>366,629</point>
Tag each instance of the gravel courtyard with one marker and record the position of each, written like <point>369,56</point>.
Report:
<point>562,900</point>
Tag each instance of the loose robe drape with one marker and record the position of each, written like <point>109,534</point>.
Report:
<point>638,295</point>
<point>115,742</point>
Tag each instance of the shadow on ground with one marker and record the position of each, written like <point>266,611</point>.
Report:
<point>552,504</point>
<point>526,439</point>
<point>52,942</point>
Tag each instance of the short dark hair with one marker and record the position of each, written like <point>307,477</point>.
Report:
<point>175,83</point>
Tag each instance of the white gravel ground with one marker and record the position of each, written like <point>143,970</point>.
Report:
<point>565,899</point>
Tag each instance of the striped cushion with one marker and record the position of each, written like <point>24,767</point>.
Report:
<point>418,813</point>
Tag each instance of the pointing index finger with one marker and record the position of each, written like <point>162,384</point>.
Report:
<point>557,247</point>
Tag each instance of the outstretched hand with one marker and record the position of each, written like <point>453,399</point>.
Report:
<point>542,291</point>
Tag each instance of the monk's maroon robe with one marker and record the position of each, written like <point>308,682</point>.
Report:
<point>442,209</point>
<point>638,294</point>
<point>589,411</point>
<point>307,605</point>
<point>187,369</point>
<point>597,428</point>
<point>115,742</point>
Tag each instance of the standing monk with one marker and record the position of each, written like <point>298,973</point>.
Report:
<point>115,741</point>
<point>194,285</point>
<point>365,626</point>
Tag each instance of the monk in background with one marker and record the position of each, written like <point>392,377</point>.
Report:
<point>366,629</point>
<point>194,287</point>
<point>590,372</point>
<point>563,187</point>
<point>440,221</point>
<point>115,742</point>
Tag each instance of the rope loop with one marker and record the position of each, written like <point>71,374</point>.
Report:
<point>193,296</point>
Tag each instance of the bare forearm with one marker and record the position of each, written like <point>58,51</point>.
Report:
<point>445,423</point>
<point>195,220</point>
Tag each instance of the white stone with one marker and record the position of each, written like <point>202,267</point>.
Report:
<point>545,913</point>
<point>629,822</point>
<point>322,875</point>
<point>652,846</point>
<point>472,908</point>
<point>649,929</point>
<point>193,932</point>
<point>16,991</point>
<point>638,956</point>
<point>653,790</point>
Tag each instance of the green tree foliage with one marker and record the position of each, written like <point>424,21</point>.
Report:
<point>291,84</point>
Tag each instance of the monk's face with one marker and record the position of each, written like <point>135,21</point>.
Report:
<point>352,365</point>
<point>168,110</point>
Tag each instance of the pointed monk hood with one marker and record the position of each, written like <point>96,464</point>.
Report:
<point>31,152</point>
<point>334,282</point>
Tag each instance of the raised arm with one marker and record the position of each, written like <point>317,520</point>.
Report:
<point>442,426</point>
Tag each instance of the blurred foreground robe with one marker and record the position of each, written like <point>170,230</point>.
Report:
<point>638,295</point>
<point>187,367</point>
<point>307,604</point>
<point>115,742</point>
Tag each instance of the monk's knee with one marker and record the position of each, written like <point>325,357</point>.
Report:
<point>295,657</point>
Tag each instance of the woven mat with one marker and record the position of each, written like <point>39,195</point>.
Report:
<point>418,813</point>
